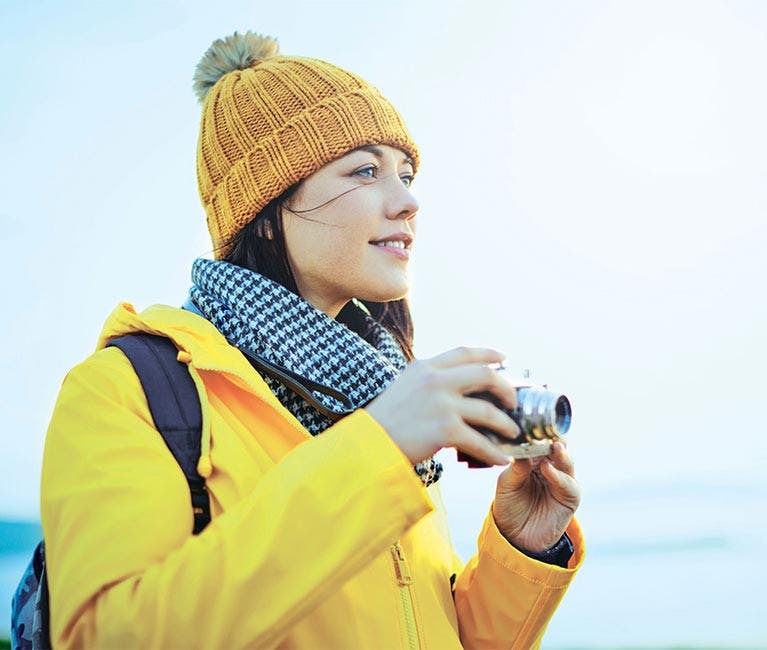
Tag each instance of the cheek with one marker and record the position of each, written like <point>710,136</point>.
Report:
<point>315,248</point>
<point>333,241</point>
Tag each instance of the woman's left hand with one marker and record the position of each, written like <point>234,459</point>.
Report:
<point>535,500</point>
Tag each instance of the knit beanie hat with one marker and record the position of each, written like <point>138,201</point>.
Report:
<point>269,121</point>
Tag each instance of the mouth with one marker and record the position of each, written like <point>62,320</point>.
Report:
<point>398,246</point>
<point>391,244</point>
<point>400,240</point>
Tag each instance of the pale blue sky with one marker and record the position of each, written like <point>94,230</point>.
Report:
<point>592,202</point>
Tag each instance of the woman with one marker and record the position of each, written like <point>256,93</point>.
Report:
<point>319,541</point>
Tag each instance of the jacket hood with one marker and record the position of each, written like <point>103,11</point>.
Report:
<point>198,341</point>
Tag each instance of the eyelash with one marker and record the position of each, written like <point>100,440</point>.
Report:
<point>407,179</point>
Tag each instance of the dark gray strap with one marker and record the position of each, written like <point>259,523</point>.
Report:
<point>175,406</point>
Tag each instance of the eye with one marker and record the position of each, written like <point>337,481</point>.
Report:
<point>368,171</point>
<point>407,179</point>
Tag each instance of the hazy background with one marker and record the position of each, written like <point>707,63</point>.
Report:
<point>592,202</point>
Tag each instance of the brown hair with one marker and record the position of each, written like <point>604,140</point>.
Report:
<point>260,246</point>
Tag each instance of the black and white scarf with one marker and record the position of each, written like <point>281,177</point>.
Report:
<point>280,331</point>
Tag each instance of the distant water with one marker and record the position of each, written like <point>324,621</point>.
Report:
<point>18,536</point>
<point>668,566</point>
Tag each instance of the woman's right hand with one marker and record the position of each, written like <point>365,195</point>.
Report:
<point>426,408</point>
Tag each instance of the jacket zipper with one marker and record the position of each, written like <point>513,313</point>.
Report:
<point>401,567</point>
<point>404,580</point>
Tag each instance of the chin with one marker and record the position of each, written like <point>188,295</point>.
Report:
<point>384,294</point>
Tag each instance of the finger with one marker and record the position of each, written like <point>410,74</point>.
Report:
<point>478,446</point>
<point>506,390</point>
<point>562,459</point>
<point>465,355</point>
<point>476,378</point>
<point>482,413</point>
<point>514,476</point>
<point>564,487</point>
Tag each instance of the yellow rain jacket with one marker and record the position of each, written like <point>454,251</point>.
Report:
<point>315,542</point>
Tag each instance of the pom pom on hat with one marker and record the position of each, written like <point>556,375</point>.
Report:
<point>235,52</point>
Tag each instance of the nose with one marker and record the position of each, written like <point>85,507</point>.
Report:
<point>401,203</point>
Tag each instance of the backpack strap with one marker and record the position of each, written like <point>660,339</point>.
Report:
<point>175,407</point>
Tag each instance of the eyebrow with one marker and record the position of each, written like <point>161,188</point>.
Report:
<point>378,153</point>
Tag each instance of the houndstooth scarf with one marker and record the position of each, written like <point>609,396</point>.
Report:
<point>270,323</point>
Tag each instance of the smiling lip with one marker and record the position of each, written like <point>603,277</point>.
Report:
<point>402,253</point>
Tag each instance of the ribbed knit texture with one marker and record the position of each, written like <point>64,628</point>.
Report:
<point>271,125</point>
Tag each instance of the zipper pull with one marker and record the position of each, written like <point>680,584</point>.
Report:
<point>401,565</point>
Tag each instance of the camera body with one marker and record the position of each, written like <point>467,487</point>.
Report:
<point>542,416</point>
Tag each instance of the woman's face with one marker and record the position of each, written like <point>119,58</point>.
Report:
<point>349,228</point>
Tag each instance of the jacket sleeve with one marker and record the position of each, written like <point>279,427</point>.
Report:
<point>505,599</point>
<point>124,570</point>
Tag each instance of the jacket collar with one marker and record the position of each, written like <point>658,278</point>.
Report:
<point>193,334</point>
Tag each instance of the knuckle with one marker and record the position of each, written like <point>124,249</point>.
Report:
<point>430,377</point>
<point>452,428</point>
<point>443,403</point>
<point>489,413</point>
<point>463,352</point>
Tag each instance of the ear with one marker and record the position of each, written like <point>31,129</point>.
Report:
<point>264,229</point>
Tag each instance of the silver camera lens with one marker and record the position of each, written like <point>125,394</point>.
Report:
<point>542,416</point>
<point>541,413</point>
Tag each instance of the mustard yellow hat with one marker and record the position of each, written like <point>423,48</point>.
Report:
<point>270,120</point>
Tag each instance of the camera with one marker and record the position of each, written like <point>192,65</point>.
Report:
<point>541,414</point>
